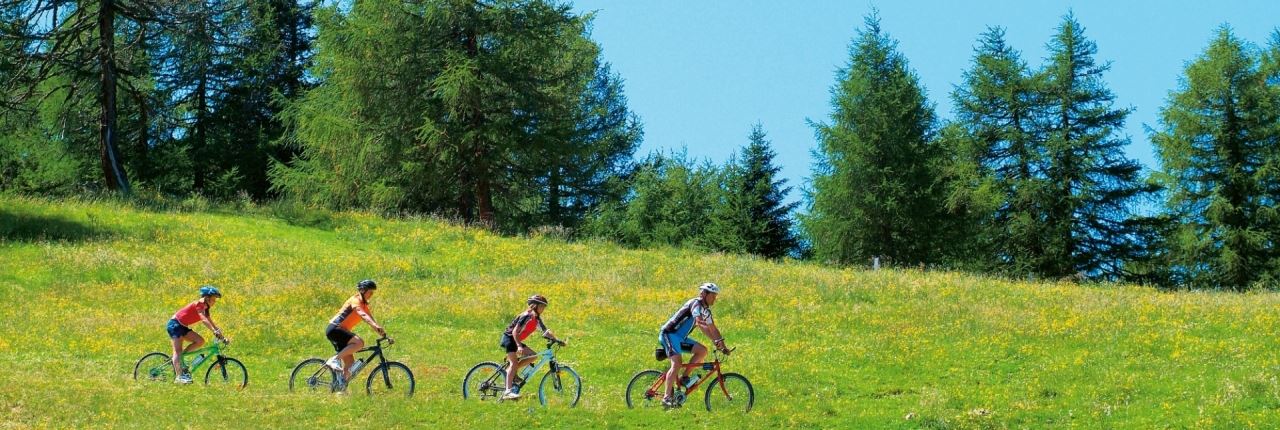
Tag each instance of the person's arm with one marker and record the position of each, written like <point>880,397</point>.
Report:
<point>708,326</point>
<point>546,332</point>
<point>208,321</point>
<point>369,319</point>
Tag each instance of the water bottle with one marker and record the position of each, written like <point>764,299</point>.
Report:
<point>692,380</point>
<point>355,367</point>
<point>199,359</point>
<point>526,373</point>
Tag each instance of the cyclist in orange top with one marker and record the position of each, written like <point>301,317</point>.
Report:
<point>179,329</point>
<point>344,341</point>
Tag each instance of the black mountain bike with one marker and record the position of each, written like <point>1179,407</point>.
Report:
<point>388,377</point>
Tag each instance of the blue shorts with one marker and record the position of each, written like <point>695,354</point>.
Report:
<point>176,329</point>
<point>675,344</point>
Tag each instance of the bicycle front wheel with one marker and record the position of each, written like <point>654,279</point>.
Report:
<point>390,378</point>
<point>312,376</point>
<point>227,372</point>
<point>485,381</point>
<point>732,392</point>
<point>643,391</point>
<point>562,387</point>
<point>154,367</point>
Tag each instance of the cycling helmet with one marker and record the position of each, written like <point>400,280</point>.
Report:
<point>366,284</point>
<point>209,290</point>
<point>537,299</point>
<point>709,287</point>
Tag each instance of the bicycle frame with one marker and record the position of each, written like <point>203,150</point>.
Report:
<point>210,352</point>
<point>712,367</point>
<point>376,350</point>
<point>545,356</point>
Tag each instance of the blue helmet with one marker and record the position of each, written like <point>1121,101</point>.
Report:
<point>209,290</point>
<point>367,284</point>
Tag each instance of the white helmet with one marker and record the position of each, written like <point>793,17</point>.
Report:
<point>709,287</point>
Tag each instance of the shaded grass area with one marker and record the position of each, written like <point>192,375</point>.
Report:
<point>824,347</point>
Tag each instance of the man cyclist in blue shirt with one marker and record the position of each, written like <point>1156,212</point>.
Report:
<point>674,336</point>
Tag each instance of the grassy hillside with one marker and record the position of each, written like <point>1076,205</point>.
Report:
<point>87,287</point>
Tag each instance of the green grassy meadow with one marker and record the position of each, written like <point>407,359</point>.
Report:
<point>87,287</point>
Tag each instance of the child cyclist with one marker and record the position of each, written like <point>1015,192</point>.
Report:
<point>340,333</point>
<point>513,340</point>
<point>179,329</point>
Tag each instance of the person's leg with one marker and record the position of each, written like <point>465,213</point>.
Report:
<point>673,375</point>
<point>196,340</point>
<point>348,355</point>
<point>699,352</point>
<point>525,351</point>
<point>177,355</point>
<point>513,359</point>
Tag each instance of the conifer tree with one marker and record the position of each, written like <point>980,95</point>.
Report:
<point>1219,149</point>
<point>876,189</point>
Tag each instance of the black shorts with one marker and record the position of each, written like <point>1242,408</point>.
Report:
<point>338,336</point>
<point>509,343</point>
<point>176,329</point>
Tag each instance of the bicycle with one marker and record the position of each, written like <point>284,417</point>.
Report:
<point>561,384</point>
<point>388,377</point>
<point>157,366</point>
<point>647,388</point>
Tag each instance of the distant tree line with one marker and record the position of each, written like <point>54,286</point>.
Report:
<point>503,113</point>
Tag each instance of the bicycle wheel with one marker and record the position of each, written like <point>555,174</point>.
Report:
<point>227,372</point>
<point>639,394</point>
<point>312,376</point>
<point>390,378</point>
<point>732,392</point>
<point>560,388</point>
<point>485,381</point>
<point>154,367</point>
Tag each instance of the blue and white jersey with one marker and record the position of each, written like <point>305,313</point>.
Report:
<point>682,322</point>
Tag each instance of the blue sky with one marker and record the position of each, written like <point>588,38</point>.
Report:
<point>700,73</point>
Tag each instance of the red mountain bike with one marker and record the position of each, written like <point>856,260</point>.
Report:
<point>727,391</point>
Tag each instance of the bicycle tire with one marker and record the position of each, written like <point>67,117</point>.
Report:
<point>565,381</point>
<point>158,368</point>
<point>312,375</point>
<point>227,370</point>
<point>741,393</point>
<point>473,386</point>
<point>389,378</point>
<point>637,390</point>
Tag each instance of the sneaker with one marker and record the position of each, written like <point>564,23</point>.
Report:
<point>334,364</point>
<point>184,378</point>
<point>511,395</point>
<point>669,403</point>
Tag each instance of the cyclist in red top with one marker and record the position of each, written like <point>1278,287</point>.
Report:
<point>179,329</point>
<point>513,340</point>
<point>339,333</point>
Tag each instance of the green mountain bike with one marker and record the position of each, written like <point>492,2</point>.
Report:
<point>560,385</point>
<point>225,371</point>
<point>388,377</point>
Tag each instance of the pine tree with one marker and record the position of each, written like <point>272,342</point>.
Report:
<point>751,216</point>
<point>1000,165</point>
<point>493,112</point>
<point>875,188</point>
<point>1090,224</point>
<point>1218,148</point>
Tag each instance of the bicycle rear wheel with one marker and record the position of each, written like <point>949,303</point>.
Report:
<point>312,376</point>
<point>227,372</point>
<point>732,392</point>
<point>154,367</point>
<point>563,387</point>
<point>485,381</point>
<point>390,378</point>
<point>639,394</point>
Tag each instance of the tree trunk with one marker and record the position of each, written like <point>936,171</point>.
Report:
<point>112,169</point>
